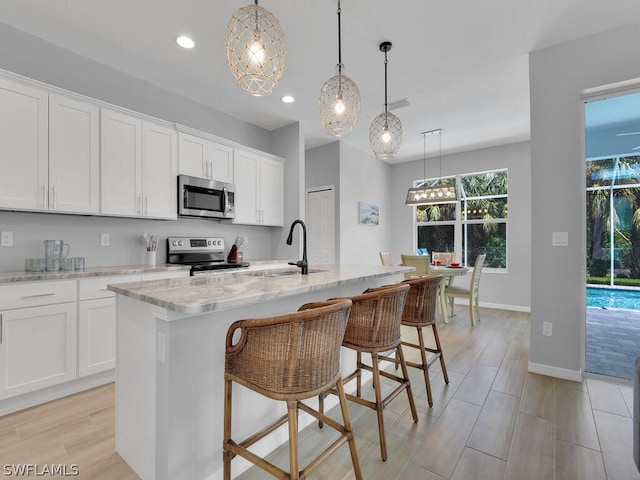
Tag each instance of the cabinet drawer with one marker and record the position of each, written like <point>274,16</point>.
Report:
<point>32,294</point>
<point>90,288</point>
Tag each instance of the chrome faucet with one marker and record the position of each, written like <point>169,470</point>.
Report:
<point>301,263</point>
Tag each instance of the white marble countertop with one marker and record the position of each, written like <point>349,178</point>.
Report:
<point>200,294</point>
<point>8,277</point>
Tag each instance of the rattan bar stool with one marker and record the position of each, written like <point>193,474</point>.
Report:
<point>374,328</point>
<point>291,358</point>
<point>419,312</point>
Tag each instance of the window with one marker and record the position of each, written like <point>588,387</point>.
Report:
<point>476,224</point>
<point>613,220</point>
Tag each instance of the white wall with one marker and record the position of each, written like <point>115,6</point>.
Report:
<point>558,76</point>
<point>47,63</point>
<point>510,289</point>
<point>363,178</point>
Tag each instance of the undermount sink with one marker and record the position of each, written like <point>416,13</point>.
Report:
<point>281,273</point>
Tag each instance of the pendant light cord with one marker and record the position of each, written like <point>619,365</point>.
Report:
<point>385,82</point>
<point>440,155</point>
<point>339,41</point>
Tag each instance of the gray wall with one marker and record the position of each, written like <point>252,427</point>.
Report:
<point>363,178</point>
<point>558,77</point>
<point>510,289</point>
<point>33,58</point>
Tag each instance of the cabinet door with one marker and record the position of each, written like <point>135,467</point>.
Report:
<point>220,158</point>
<point>246,174</point>
<point>120,164</point>
<point>74,176</point>
<point>96,335</point>
<point>159,171</point>
<point>271,192</point>
<point>192,158</point>
<point>38,348</point>
<point>23,146</point>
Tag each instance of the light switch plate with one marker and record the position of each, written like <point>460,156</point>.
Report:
<point>6,239</point>
<point>560,239</point>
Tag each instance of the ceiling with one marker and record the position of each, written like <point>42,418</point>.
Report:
<point>463,66</point>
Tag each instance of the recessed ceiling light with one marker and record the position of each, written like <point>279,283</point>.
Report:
<point>185,42</point>
<point>288,99</point>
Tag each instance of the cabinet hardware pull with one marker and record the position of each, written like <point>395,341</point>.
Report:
<point>53,190</point>
<point>44,199</point>
<point>104,288</point>
<point>0,329</point>
<point>146,205</point>
<point>39,295</point>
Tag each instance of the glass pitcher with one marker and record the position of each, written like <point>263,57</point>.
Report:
<point>55,251</point>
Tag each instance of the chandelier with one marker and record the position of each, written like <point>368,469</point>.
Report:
<point>385,132</point>
<point>256,50</point>
<point>435,193</point>
<point>339,100</point>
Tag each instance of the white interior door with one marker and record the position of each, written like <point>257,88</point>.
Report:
<point>321,225</point>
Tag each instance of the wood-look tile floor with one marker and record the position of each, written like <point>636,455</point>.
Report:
<point>493,421</point>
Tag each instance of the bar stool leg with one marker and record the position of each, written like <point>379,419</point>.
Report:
<point>347,424</point>
<point>405,374</point>
<point>226,453</point>
<point>425,366</point>
<point>359,374</point>
<point>379,406</point>
<point>442,365</point>
<point>294,469</point>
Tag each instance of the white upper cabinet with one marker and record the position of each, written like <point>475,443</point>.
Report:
<point>259,197</point>
<point>24,173</point>
<point>121,164</point>
<point>159,171</point>
<point>203,158</point>
<point>138,167</point>
<point>74,166</point>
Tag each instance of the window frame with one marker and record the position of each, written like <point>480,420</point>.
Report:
<point>459,222</point>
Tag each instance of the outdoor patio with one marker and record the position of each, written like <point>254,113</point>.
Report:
<point>613,341</point>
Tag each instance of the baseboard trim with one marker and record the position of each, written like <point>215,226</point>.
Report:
<point>31,399</point>
<point>501,306</point>
<point>557,372</point>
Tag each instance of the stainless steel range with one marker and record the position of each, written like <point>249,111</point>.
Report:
<point>204,254</point>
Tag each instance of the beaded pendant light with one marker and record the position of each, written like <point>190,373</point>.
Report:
<point>339,101</point>
<point>385,132</point>
<point>256,50</point>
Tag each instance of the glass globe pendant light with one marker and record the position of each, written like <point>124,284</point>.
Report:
<point>256,50</point>
<point>339,101</point>
<point>385,132</point>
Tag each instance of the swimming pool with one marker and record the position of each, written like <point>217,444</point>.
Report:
<point>613,298</point>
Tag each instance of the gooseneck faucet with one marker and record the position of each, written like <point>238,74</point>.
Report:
<point>301,263</point>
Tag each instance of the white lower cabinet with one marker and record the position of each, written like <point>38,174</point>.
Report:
<point>97,323</point>
<point>56,331</point>
<point>38,348</point>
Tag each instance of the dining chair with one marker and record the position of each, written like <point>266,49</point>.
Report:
<point>420,262</point>
<point>289,357</point>
<point>445,258</point>
<point>470,292</point>
<point>386,258</point>
<point>374,327</point>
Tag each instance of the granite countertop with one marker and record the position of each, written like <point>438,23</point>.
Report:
<point>200,294</point>
<point>8,277</point>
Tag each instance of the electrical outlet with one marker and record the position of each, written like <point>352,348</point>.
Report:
<point>104,239</point>
<point>547,329</point>
<point>6,239</point>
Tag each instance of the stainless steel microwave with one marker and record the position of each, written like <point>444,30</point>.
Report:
<point>199,197</point>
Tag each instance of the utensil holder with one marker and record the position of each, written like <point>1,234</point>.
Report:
<point>151,258</point>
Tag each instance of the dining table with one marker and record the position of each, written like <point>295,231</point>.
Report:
<point>449,274</point>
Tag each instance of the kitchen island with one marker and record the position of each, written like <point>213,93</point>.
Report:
<point>170,361</point>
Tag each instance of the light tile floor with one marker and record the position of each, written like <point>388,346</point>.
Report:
<point>613,341</point>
